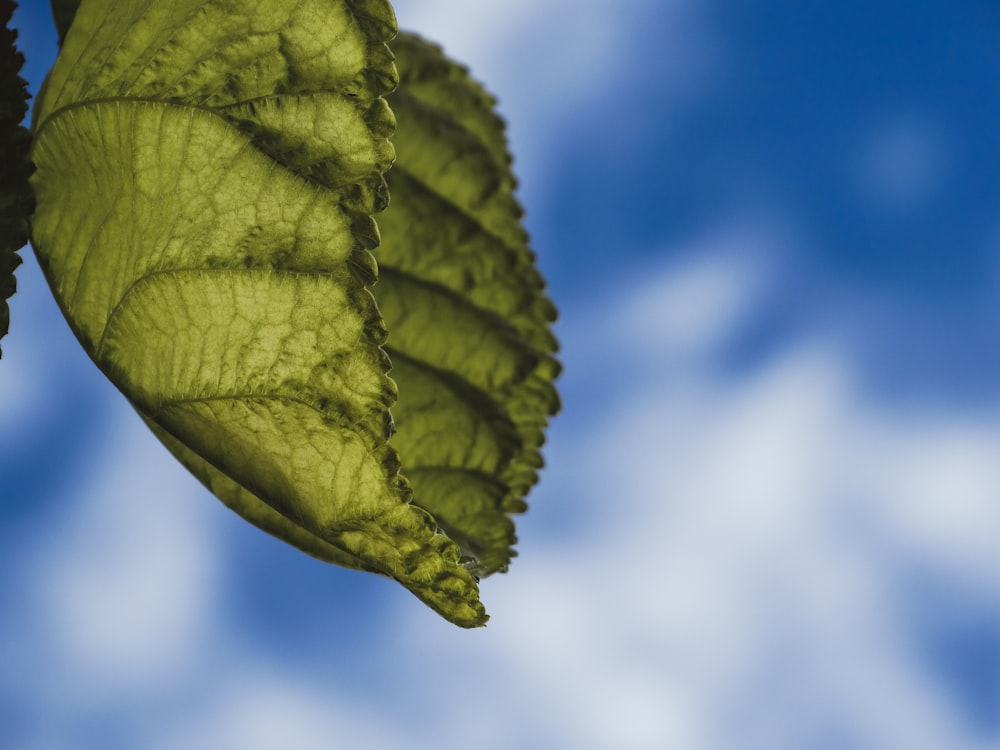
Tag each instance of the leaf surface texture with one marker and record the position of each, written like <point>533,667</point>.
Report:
<point>471,341</point>
<point>208,171</point>
<point>207,174</point>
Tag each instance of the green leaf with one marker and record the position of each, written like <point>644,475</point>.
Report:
<point>470,338</point>
<point>207,175</point>
<point>15,191</point>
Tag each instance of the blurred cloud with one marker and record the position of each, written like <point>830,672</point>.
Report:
<point>734,589</point>
<point>256,708</point>
<point>730,579</point>
<point>129,577</point>
<point>687,309</point>
<point>903,163</point>
<point>779,557</point>
<point>560,69</point>
<point>580,50</point>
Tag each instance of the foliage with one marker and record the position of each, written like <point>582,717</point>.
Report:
<point>15,193</point>
<point>207,175</point>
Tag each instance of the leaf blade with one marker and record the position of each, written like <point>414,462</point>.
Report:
<point>218,275</point>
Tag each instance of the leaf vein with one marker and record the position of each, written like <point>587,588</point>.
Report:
<point>151,276</point>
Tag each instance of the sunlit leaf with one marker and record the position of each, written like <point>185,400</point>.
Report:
<point>206,176</point>
<point>15,192</point>
<point>208,171</point>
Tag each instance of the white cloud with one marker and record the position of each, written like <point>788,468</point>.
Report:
<point>555,66</point>
<point>539,45</point>
<point>684,312</point>
<point>939,501</point>
<point>254,708</point>
<point>126,578</point>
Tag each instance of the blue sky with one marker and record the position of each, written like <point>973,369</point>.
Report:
<point>769,517</point>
